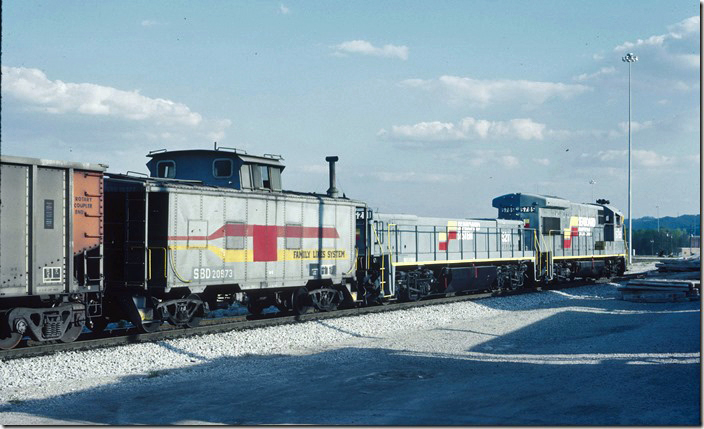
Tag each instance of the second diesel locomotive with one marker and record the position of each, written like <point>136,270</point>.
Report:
<point>208,228</point>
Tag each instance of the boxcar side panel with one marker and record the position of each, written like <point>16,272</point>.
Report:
<point>49,233</point>
<point>14,230</point>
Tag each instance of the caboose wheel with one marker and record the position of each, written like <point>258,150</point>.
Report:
<point>300,301</point>
<point>71,334</point>
<point>197,313</point>
<point>149,326</point>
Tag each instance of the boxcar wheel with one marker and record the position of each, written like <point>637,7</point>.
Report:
<point>9,341</point>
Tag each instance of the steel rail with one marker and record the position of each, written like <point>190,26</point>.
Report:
<point>241,323</point>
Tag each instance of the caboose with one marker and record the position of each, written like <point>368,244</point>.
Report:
<point>209,227</point>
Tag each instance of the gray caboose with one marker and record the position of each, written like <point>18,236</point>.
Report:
<point>209,227</point>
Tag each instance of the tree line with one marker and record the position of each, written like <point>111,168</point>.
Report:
<point>666,241</point>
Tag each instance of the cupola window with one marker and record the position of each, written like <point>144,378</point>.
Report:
<point>222,168</point>
<point>166,169</point>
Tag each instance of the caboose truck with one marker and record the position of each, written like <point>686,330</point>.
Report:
<point>51,225</point>
<point>210,227</point>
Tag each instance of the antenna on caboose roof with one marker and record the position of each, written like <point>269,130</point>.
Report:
<point>215,145</point>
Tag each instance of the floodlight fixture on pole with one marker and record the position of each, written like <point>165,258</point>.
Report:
<point>629,58</point>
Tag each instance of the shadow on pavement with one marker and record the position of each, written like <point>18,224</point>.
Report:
<point>550,372</point>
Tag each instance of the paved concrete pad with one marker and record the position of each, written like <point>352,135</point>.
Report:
<point>582,361</point>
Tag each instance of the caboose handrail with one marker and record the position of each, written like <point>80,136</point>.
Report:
<point>173,267</point>
<point>383,265</point>
<point>391,256</point>
<point>149,261</point>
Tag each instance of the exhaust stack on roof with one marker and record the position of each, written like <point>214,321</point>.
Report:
<point>332,191</point>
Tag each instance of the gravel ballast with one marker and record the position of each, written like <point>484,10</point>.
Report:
<point>577,356</point>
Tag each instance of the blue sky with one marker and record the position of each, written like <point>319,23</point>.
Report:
<point>434,108</point>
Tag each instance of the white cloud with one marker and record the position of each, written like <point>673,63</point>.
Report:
<point>478,158</point>
<point>283,9</point>
<point>413,177</point>
<point>542,161</point>
<point>687,60</point>
<point>635,126</point>
<point>601,72</point>
<point>685,29</point>
<point>467,129</point>
<point>363,47</point>
<point>32,87</point>
<point>509,161</point>
<point>482,92</point>
<point>645,158</point>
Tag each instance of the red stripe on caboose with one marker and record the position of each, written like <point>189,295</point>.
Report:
<point>244,230</point>
<point>264,243</point>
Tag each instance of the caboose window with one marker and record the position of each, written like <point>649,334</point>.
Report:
<point>235,235</point>
<point>245,176</point>
<point>275,174</point>
<point>166,169</point>
<point>266,183</point>
<point>294,233</point>
<point>222,168</point>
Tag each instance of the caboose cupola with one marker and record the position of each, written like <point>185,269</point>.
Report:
<point>226,167</point>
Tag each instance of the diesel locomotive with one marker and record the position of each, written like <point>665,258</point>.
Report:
<point>207,228</point>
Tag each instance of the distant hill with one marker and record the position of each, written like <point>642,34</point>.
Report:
<point>691,223</point>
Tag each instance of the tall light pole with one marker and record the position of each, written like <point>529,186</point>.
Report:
<point>592,182</point>
<point>629,58</point>
<point>658,214</point>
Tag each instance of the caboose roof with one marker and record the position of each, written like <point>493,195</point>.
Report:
<point>220,153</point>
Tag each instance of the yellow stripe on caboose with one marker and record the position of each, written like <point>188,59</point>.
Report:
<point>247,255</point>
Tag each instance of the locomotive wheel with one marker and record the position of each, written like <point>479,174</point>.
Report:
<point>300,301</point>
<point>198,314</point>
<point>71,334</point>
<point>409,295</point>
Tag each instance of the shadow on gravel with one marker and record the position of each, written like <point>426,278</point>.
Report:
<point>550,372</point>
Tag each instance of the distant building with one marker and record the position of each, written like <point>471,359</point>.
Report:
<point>695,247</point>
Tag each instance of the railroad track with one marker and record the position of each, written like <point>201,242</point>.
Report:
<point>119,337</point>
